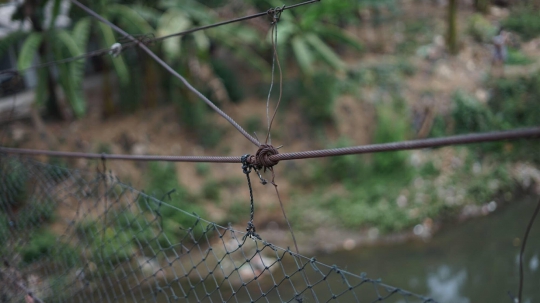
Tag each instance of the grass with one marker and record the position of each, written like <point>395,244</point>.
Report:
<point>161,180</point>
<point>211,191</point>
<point>388,192</point>
<point>399,200</point>
<point>516,57</point>
<point>525,21</point>
<point>41,245</point>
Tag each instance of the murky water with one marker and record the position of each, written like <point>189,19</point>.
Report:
<point>476,261</point>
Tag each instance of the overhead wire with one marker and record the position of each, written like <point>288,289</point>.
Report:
<point>515,134</point>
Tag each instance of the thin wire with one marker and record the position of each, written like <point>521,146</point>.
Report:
<point>61,61</point>
<point>292,234</point>
<point>523,249</point>
<point>147,41</point>
<point>363,149</point>
<point>268,137</point>
<point>168,68</point>
<point>234,20</point>
<point>274,43</point>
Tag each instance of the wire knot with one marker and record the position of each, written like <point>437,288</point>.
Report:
<point>262,157</point>
<point>275,14</point>
<point>251,232</point>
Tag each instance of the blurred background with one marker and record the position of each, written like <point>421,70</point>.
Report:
<point>446,222</point>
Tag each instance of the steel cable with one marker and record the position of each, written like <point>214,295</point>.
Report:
<point>413,144</point>
<point>274,158</point>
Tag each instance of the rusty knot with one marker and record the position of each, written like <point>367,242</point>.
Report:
<point>262,157</point>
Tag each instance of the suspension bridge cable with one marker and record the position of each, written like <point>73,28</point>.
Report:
<point>169,69</point>
<point>413,144</point>
<point>62,154</point>
<point>362,149</point>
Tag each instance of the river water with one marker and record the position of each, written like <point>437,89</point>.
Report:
<point>476,261</point>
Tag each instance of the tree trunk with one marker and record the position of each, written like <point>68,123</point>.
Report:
<point>451,38</point>
<point>108,106</point>
<point>55,107</point>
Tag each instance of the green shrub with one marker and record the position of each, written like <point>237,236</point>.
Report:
<point>470,115</point>
<point>162,179</point>
<point>202,169</point>
<point>211,190</point>
<point>104,148</point>
<point>392,125</point>
<point>15,177</point>
<point>57,169</point>
<point>317,102</point>
<point>112,247</point>
<point>195,115</point>
<point>525,21</point>
<point>4,228</point>
<point>254,124</point>
<point>516,57</point>
<point>481,28</point>
<point>340,168</point>
<point>237,212</point>
<point>234,88</point>
<point>211,136</point>
<point>136,226</point>
<point>177,225</point>
<point>87,229</point>
<point>35,213</point>
<point>514,102</point>
<point>41,245</point>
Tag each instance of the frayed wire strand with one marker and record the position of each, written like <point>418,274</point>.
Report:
<point>292,233</point>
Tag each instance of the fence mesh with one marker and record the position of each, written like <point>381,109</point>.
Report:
<point>110,244</point>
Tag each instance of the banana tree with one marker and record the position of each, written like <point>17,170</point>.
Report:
<point>181,15</point>
<point>50,43</point>
<point>130,18</point>
<point>308,36</point>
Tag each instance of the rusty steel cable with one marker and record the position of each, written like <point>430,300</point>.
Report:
<point>275,158</point>
<point>413,144</point>
<point>104,51</point>
<point>62,154</point>
<point>169,69</point>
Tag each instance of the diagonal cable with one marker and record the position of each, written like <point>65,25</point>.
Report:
<point>168,68</point>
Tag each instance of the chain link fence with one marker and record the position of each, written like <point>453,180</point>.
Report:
<point>76,236</point>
